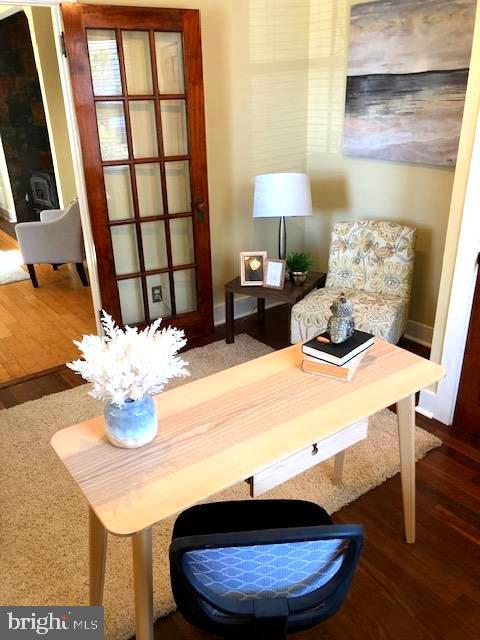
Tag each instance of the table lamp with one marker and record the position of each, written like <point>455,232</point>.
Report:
<point>282,195</point>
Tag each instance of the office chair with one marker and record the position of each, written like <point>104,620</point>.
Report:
<point>261,569</point>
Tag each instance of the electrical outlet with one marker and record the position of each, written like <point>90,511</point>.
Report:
<point>157,294</point>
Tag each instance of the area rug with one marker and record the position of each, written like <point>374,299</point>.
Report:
<point>43,522</point>
<point>10,269</point>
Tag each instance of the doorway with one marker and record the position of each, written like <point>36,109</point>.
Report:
<point>37,324</point>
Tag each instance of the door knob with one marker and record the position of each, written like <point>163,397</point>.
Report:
<point>200,209</point>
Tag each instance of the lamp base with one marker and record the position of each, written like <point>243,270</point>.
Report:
<point>282,239</point>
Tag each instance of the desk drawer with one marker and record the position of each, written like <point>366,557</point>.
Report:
<point>303,460</point>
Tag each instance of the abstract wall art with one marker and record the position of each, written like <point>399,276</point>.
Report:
<point>406,79</point>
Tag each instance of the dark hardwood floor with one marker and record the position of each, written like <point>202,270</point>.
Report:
<point>426,591</point>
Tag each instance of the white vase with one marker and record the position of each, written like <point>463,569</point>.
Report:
<point>131,424</point>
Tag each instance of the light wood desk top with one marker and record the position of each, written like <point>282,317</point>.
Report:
<point>227,427</point>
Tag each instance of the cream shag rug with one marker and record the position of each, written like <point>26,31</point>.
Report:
<point>10,267</point>
<point>43,521</point>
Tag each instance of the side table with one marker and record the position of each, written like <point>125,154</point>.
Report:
<point>289,295</point>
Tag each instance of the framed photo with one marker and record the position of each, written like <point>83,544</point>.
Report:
<point>274,274</point>
<point>252,268</point>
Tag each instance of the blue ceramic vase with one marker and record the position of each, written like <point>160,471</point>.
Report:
<point>132,423</point>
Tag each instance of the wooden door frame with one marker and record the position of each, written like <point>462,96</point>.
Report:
<point>90,252</point>
<point>440,403</point>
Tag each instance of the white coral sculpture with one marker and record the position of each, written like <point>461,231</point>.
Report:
<point>126,365</point>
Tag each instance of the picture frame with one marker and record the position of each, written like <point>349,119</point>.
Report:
<point>252,268</point>
<point>274,274</point>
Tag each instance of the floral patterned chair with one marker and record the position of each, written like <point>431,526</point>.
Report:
<point>372,262</point>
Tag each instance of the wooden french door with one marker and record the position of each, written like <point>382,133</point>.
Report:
<point>467,409</point>
<point>138,92</point>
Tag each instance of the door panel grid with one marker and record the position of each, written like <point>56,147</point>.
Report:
<point>146,131</point>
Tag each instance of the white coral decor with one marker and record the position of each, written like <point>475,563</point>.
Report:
<point>130,364</point>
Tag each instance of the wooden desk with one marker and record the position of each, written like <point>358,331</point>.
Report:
<point>223,429</point>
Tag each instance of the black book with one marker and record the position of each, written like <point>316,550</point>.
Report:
<point>338,354</point>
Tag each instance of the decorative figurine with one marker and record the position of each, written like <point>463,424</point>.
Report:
<point>341,324</point>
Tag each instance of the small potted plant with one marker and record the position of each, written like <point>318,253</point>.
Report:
<point>298,265</point>
<point>127,367</point>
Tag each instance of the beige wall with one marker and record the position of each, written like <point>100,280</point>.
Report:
<point>7,204</point>
<point>41,31</point>
<point>350,188</point>
<point>7,10</point>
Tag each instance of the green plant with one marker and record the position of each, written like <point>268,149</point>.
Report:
<point>298,261</point>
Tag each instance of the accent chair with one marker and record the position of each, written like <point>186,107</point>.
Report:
<point>57,239</point>
<point>372,263</point>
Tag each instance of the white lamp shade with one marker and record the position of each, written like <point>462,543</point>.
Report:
<point>282,194</point>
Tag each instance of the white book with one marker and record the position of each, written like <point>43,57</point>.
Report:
<point>339,372</point>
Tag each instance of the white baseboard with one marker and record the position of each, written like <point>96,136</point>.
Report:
<point>243,306</point>
<point>436,404</point>
<point>424,412</point>
<point>430,407</point>
<point>420,333</point>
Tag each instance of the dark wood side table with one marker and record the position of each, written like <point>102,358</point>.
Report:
<point>289,295</point>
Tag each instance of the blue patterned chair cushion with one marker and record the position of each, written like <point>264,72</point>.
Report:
<point>267,571</point>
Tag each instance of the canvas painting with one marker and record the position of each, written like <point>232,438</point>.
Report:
<point>406,79</point>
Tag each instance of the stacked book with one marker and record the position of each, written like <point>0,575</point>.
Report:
<point>322,357</point>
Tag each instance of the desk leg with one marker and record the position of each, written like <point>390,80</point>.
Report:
<point>229,318</point>
<point>289,327</point>
<point>261,310</point>
<point>406,436</point>
<point>97,558</point>
<point>143,584</point>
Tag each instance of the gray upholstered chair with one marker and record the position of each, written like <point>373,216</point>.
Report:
<point>57,239</point>
<point>372,262</point>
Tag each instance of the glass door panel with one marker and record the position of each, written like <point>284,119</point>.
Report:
<point>112,130</point>
<point>159,301</point>
<point>169,54</point>
<point>149,188</point>
<point>144,128</point>
<point>174,127</point>
<point>125,250</point>
<point>104,64</point>
<point>118,191</point>
<point>131,301</point>
<point>181,238</point>
<point>138,65</point>
<point>185,290</point>
<point>178,187</point>
<point>154,245</point>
